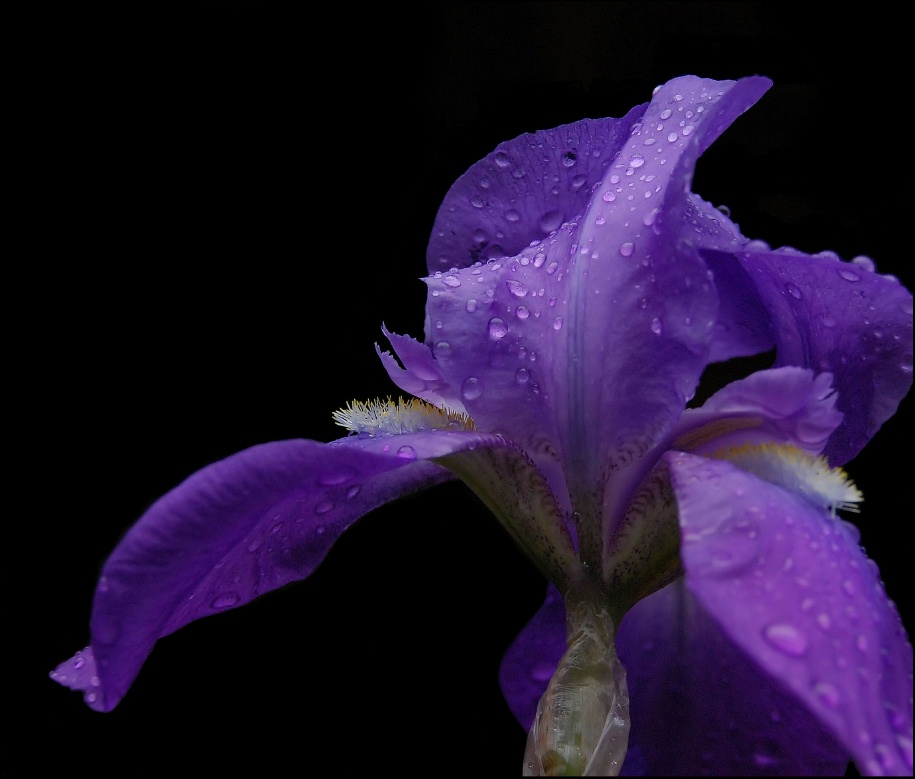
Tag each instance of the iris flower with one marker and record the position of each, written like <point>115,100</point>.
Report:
<point>707,608</point>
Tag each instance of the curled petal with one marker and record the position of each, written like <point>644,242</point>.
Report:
<point>789,405</point>
<point>234,530</point>
<point>846,319</point>
<point>790,586</point>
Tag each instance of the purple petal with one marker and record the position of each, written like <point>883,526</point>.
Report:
<point>531,659</point>
<point>788,405</point>
<point>523,191</point>
<point>700,706</point>
<point>843,318</point>
<point>507,334</point>
<point>792,588</point>
<point>420,374</point>
<point>232,531</point>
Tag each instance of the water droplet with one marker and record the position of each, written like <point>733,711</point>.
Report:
<point>827,693</point>
<point>608,197</point>
<point>649,142</point>
<point>517,288</point>
<point>512,216</point>
<point>557,323</point>
<point>671,137</point>
<point>794,291</point>
<point>551,268</point>
<point>255,544</point>
<point>848,275</point>
<point>828,320</point>
<point>497,328</point>
<point>471,389</point>
<point>522,312</point>
<point>569,158</point>
<point>688,130</point>
<point>324,506</point>
<point>502,159</point>
<point>471,306</point>
<point>656,326</point>
<point>226,600</point>
<point>476,201</point>
<point>522,376</point>
<point>579,180</point>
<point>650,217</point>
<point>451,281</point>
<point>864,262</point>
<point>352,492</point>
<point>407,452</point>
<point>665,114</point>
<point>786,638</point>
<point>551,220</point>
<point>627,249</point>
<point>636,161</point>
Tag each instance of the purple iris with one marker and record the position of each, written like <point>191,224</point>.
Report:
<point>708,610</point>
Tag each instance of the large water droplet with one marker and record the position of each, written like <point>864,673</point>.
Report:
<point>786,638</point>
<point>512,216</point>
<point>451,281</point>
<point>848,275</point>
<point>522,312</point>
<point>517,288</point>
<point>557,323</point>
<point>794,291</point>
<point>568,159</point>
<point>471,305</point>
<point>407,452</point>
<point>471,389</point>
<point>502,159</point>
<point>522,375</point>
<point>226,600</point>
<point>551,220</point>
<point>636,161</point>
<point>476,201</point>
<point>827,693</point>
<point>627,249</point>
<point>497,328</point>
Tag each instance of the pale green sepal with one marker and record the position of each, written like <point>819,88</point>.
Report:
<point>516,492</point>
<point>581,727</point>
<point>643,555</point>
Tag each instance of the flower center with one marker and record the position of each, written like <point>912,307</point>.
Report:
<point>385,417</point>
<point>798,471</point>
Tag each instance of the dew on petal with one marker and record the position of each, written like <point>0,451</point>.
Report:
<point>353,491</point>
<point>497,328</point>
<point>827,693</point>
<point>324,506</point>
<point>471,389</point>
<point>451,281</point>
<point>517,288</point>
<point>512,216</point>
<point>471,305</point>
<point>656,326</point>
<point>226,600</point>
<point>522,312</point>
<point>786,638</point>
<point>476,201</point>
<point>636,161</point>
<point>848,275</point>
<point>627,249</point>
<point>522,375</point>
<point>557,323</point>
<point>502,159</point>
<point>551,220</point>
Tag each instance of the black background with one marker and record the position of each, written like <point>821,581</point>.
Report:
<point>223,202</point>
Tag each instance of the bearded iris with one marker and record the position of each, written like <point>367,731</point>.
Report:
<point>708,610</point>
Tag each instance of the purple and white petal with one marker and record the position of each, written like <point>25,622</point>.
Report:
<point>790,585</point>
<point>783,405</point>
